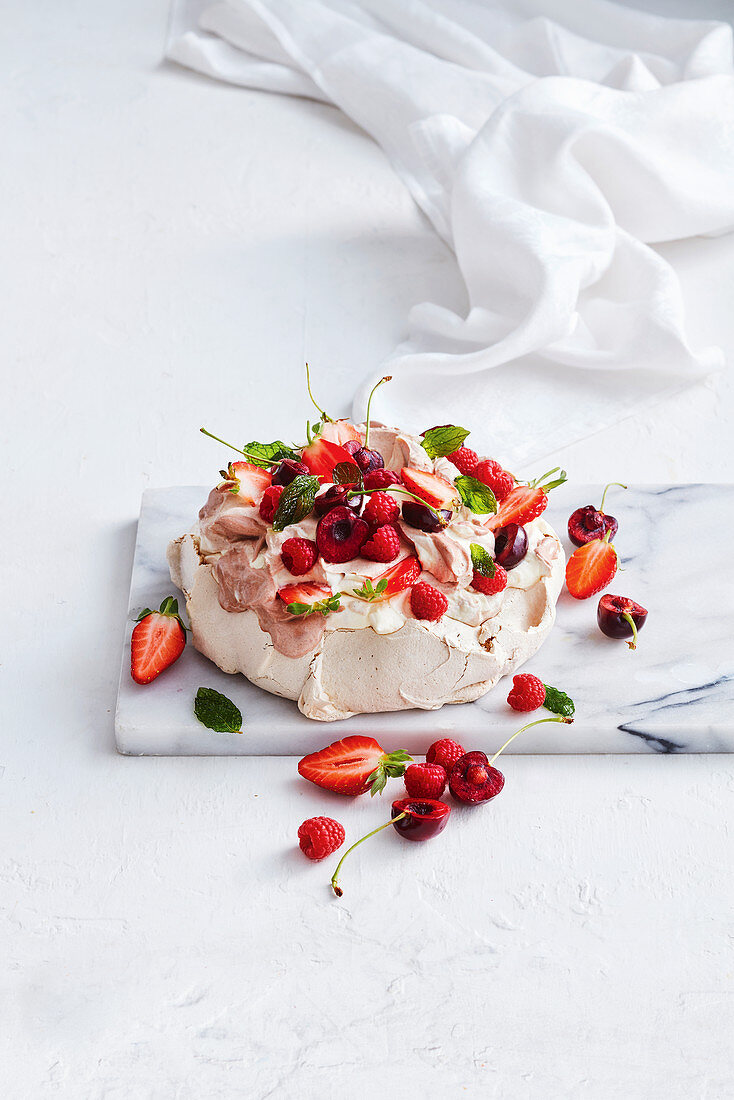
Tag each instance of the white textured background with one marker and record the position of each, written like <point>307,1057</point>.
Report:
<point>172,251</point>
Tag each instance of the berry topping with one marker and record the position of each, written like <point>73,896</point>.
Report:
<point>620,617</point>
<point>299,555</point>
<point>246,481</point>
<point>495,476</point>
<point>526,502</point>
<point>392,582</point>
<point>591,568</point>
<point>426,602</point>
<point>527,692</point>
<point>425,780</point>
<point>473,779</point>
<point>589,523</point>
<point>340,535</point>
<point>465,459</point>
<point>490,586</point>
<point>319,837</point>
<point>321,456</point>
<point>269,502</point>
<point>434,490</point>
<point>445,753</point>
<point>308,599</point>
<point>352,445</point>
<point>368,460</point>
<point>423,519</point>
<point>353,765</point>
<point>336,496</point>
<point>287,470</point>
<point>381,479</point>
<point>419,818</point>
<point>157,641</point>
<point>381,508</point>
<point>510,545</point>
<point>383,546</point>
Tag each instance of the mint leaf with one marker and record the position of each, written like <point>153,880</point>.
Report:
<point>475,495</point>
<point>369,592</point>
<point>482,561</point>
<point>346,473</point>
<point>444,440</point>
<point>265,454</point>
<point>557,702</point>
<point>331,603</point>
<point>296,501</point>
<point>217,712</point>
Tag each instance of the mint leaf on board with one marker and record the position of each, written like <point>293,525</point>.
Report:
<point>296,501</point>
<point>369,592</point>
<point>217,712</point>
<point>346,473</point>
<point>482,561</point>
<point>265,454</point>
<point>557,702</point>
<point>442,441</point>
<point>331,603</point>
<point>475,495</point>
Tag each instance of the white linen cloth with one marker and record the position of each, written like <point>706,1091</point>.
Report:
<point>550,143</point>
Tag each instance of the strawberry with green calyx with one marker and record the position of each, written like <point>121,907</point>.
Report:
<point>309,599</point>
<point>398,578</point>
<point>157,641</point>
<point>246,481</point>
<point>591,568</point>
<point>526,502</point>
<point>321,456</point>
<point>353,766</point>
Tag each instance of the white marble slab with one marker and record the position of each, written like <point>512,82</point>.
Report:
<point>673,694</point>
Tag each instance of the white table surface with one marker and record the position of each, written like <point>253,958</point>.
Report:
<point>173,250</point>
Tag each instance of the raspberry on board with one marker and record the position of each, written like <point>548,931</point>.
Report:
<point>425,780</point>
<point>527,692</point>
<point>318,837</point>
<point>444,752</point>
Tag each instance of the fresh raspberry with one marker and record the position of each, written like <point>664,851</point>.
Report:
<point>269,502</point>
<point>490,585</point>
<point>299,555</point>
<point>320,836</point>
<point>527,692</point>
<point>445,753</point>
<point>381,479</point>
<point>492,474</point>
<point>384,545</point>
<point>425,780</point>
<point>380,509</point>
<point>465,459</point>
<point>426,602</point>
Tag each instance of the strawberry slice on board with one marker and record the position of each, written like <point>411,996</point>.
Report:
<point>246,482</point>
<point>322,456</point>
<point>431,488</point>
<point>591,568</point>
<point>157,641</point>
<point>404,574</point>
<point>353,766</point>
<point>526,502</point>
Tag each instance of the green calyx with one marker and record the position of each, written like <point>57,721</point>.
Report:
<point>391,766</point>
<point>325,607</point>
<point>368,592</point>
<point>546,486</point>
<point>169,607</point>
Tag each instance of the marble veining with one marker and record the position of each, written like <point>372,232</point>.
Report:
<point>673,695</point>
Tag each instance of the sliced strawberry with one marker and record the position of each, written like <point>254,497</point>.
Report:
<point>340,432</point>
<point>353,766</point>
<point>591,568</point>
<point>520,506</point>
<point>404,574</point>
<point>248,482</point>
<point>158,640</point>
<point>434,490</point>
<point>304,593</point>
<point>322,456</point>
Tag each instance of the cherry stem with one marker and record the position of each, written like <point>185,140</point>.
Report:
<point>387,378</point>
<point>258,459</point>
<point>633,643</point>
<point>396,489</point>
<point>334,884</point>
<point>604,497</point>
<point>538,722</point>
<point>324,415</point>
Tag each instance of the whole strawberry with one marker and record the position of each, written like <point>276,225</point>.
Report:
<point>425,780</point>
<point>426,602</point>
<point>380,509</point>
<point>319,837</point>
<point>445,753</point>
<point>527,692</point>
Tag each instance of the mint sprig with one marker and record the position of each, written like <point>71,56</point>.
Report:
<point>475,495</point>
<point>296,501</point>
<point>369,592</point>
<point>217,712</point>
<point>331,603</point>
<point>265,454</point>
<point>482,561</point>
<point>557,702</point>
<point>444,440</point>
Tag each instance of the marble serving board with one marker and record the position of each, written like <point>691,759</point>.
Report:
<point>673,694</point>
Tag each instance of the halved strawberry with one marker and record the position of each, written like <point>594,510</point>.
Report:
<point>158,640</point>
<point>353,766</point>
<point>247,482</point>
<point>526,502</point>
<point>404,574</point>
<point>434,490</point>
<point>322,456</point>
<point>340,432</point>
<point>591,568</point>
<point>304,593</point>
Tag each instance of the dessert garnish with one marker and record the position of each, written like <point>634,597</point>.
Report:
<point>309,599</point>
<point>157,641</point>
<point>510,545</point>
<point>426,602</point>
<point>529,693</point>
<point>414,819</point>
<point>495,476</point>
<point>444,752</point>
<point>425,780</point>
<point>319,837</point>
<point>589,523</point>
<point>299,555</point>
<point>591,568</point>
<point>217,712</point>
<point>353,765</point>
<point>526,502</point>
<point>620,617</point>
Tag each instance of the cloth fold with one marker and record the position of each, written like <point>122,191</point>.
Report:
<point>550,143</point>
